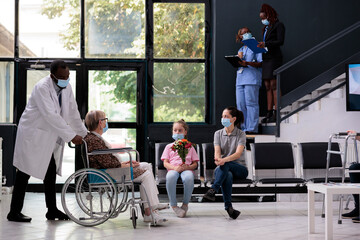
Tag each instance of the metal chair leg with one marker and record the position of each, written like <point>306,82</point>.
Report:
<point>340,209</point>
<point>349,198</point>
<point>323,207</point>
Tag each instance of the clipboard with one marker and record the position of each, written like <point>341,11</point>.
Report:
<point>234,60</point>
<point>252,44</point>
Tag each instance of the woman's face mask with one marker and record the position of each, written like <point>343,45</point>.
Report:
<point>225,122</point>
<point>265,22</point>
<point>106,127</point>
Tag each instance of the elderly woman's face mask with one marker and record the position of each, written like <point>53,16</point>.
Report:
<point>106,124</point>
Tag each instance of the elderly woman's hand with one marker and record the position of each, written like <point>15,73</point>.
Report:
<point>351,132</point>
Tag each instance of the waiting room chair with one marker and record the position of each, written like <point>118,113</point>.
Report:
<point>313,159</point>
<point>276,162</point>
<point>209,166</point>
<point>160,170</point>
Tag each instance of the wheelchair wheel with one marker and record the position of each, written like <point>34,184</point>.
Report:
<point>89,197</point>
<point>133,216</point>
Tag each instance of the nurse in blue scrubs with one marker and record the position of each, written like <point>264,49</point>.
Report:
<point>248,82</point>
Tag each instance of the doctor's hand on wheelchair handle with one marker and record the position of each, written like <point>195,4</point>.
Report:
<point>77,140</point>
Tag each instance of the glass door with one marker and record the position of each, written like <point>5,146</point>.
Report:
<point>116,90</point>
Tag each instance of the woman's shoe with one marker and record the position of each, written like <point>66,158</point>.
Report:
<point>158,219</point>
<point>354,213</point>
<point>233,213</point>
<point>272,119</point>
<point>56,214</point>
<point>356,219</point>
<point>161,206</point>
<point>210,195</point>
<point>269,114</point>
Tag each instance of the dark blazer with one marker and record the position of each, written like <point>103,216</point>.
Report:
<point>274,38</point>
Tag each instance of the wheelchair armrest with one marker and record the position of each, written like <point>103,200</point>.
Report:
<point>108,151</point>
<point>127,150</point>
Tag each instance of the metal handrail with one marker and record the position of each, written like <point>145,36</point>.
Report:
<point>299,58</point>
<point>317,48</point>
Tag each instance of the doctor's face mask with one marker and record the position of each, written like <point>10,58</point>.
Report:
<point>62,77</point>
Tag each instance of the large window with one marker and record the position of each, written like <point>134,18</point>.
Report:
<point>113,92</point>
<point>49,28</point>
<point>115,29</point>
<point>140,61</point>
<point>179,70</point>
<point>179,30</point>
<point>6,92</point>
<point>179,92</point>
<point>7,13</point>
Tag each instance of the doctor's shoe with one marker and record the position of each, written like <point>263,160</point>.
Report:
<point>233,213</point>
<point>210,195</point>
<point>352,214</point>
<point>56,214</point>
<point>18,217</point>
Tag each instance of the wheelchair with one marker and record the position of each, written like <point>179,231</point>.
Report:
<point>92,196</point>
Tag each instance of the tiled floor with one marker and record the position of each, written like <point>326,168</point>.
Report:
<point>265,220</point>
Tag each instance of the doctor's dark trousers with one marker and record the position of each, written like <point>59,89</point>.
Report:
<point>21,182</point>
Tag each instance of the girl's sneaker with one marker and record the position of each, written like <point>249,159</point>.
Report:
<point>185,208</point>
<point>179,212</point>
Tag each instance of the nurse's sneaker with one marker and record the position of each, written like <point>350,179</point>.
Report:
<point>158,219</point>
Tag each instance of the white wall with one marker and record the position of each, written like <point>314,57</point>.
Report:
<point>318,125</point>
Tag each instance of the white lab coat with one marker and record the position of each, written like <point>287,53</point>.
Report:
<point>41,124</point>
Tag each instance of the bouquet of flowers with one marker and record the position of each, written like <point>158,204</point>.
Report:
<point>182,147</point>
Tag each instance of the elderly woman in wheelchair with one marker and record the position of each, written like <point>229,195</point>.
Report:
<point>111,174</point>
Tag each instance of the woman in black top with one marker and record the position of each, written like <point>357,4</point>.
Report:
<point>273,38</point>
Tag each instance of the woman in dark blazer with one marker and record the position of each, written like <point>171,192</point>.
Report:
<point>273,38</point>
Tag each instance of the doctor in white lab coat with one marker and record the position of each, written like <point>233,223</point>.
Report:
<point>50,119</point>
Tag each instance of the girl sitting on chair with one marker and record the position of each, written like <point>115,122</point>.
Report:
<point>176,168</point>
<point>96,123</point>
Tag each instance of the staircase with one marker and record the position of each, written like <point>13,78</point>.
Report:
<point>308,95</point>
<point>312,101</point>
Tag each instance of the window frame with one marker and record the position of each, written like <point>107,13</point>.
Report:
<point>152,60</point>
